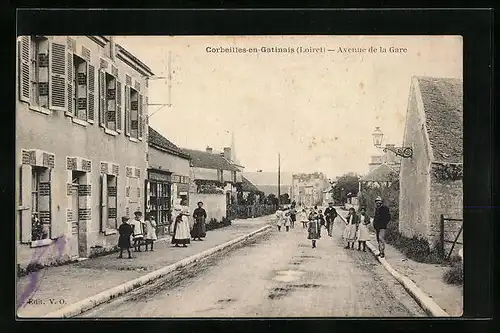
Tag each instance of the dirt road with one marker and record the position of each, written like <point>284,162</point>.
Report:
<point>276,275</point>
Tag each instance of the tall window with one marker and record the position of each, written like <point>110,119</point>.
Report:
<point>39,90</point>
<point>40,203</point>
<point>80,84</point>
<point>110,102</point>
<point>134,113</point>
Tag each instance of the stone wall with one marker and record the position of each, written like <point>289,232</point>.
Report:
<point>214,204</point>
<point>446,197</point>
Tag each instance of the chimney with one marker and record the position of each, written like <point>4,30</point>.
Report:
<point>209,150</point>
<point>112,47</point>
<point>227,153</point>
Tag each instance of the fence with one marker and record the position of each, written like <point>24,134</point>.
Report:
<point>443,234</point>
<point>243,211</point>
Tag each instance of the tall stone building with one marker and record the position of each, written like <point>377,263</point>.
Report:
<point>81,129</point>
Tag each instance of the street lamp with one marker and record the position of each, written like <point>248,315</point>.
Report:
<point>378,136</point>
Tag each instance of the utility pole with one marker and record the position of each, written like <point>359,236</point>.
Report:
<point>279,179</point>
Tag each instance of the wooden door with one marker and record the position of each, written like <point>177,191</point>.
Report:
<point>74,223</point>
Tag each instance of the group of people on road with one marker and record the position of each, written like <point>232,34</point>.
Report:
<point>286,216</point>
<point>144,232</point>
<point>356,229</point>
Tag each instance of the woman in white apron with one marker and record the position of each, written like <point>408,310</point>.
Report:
<point>181,234</point>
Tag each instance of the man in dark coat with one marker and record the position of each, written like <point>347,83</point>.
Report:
<point>125,230</point>
<point>330,214</point>
<point>200,216</point>
<point>380,221</point>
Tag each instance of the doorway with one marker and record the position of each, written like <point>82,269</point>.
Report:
<point>78,248</point>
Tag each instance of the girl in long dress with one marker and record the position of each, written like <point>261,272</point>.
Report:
<point>181,234</point>
<point>363,234</point>
<point>351,228</point>
<point>200,216</point>
<point>313,228</point>
<point>150,232</point>
<point>279,218</point>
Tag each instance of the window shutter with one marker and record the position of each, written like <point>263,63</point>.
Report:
<point>104,202</point>
<point>91,94</point>
<point>57,83</point>
<point>140,124</point>
<point>70,85</point>
<point>25,209</point>
<point>102,98</point>
<point>127,110</point>
<point>24,69</point>
<point>118,106</point>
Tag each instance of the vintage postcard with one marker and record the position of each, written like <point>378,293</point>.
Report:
<point>248,176</point>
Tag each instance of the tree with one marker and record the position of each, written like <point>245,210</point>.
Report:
<point>347,183</point>
<point>284,199</point>
<point>271,199</point>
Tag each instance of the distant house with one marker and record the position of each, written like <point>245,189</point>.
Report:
<point>167,179</point>
<point>431,181</point>
<point>213,180</point>
<point>267,182</point>
<point>247,187</point>
<point>308,189</point>
<point>382,176</point>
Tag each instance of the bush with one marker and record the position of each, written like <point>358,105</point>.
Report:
<point>214,224</point>
<point>455,275</point>
<point>415,248</point>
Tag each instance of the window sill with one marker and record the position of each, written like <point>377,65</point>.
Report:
<point>110,132</point>
<point>42,242</point>
<point>39,109</point>
<point>108,232</point>
<point>133,139</point>
<point>79,122</point>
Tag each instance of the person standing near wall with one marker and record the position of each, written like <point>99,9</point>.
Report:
<point>200,216</point>
<point>138,235</point>
<point>381,219</point>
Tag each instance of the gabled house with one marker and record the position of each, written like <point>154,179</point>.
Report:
<point>431,180</point>
<point>213,180</point>
<point>383,175</point>
<point>167,179</point>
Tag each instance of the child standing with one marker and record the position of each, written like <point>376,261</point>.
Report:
<point>363,233</point>
<point>313,229</point>
<point>279,218</point>
<point>288,220</point>
<point>125,231</point>
<point>138,231</point>
<point>150,232</point>
<point>302,217</point>
<point>351,228</point>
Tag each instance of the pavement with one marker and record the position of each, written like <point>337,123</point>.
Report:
<point>278,274</point>
<point>59,287</point>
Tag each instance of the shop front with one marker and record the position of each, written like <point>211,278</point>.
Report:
<point>159,199</point>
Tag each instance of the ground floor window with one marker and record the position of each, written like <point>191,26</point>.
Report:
<point>40,203</point>
<point>159,200</point>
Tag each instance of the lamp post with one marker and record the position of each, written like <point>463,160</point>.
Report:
<point>406,152</point>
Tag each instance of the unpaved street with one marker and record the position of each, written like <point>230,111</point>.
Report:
<point>276,275</point>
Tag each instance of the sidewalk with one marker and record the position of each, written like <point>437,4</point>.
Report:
<point>61,286</point>
<point>428,277</point>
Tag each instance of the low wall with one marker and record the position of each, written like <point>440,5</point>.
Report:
<point>214,204</point>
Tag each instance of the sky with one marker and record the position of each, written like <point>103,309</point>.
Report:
<point>317,110</point>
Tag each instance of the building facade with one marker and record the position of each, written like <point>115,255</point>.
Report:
<point>167,179</point>
<point>309,189</point>
<point>214,180</point>
<point>80,144</point>
<point>431,180</point>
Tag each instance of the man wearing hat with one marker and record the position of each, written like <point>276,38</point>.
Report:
<point>380,221</point>
<point>330,214</point>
